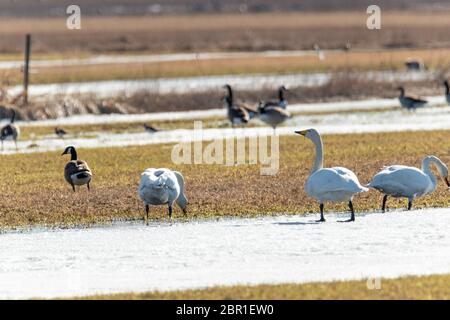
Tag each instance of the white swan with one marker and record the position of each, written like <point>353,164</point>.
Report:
<point>335,184</point>
<point>408,182</point>
<point>162,186</point>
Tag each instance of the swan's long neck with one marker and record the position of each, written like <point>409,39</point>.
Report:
<point>318,162</point>
<point>447,88</point>
<point>402,92</point>
<point>426,168</point>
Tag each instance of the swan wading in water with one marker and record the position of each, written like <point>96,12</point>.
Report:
<point>335,184</point>
<point>162,186</point>
<point>408,182</point>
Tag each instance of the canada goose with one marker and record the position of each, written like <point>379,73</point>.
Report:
<point>251,109</point>
<point>162,186</point>
<point>414,65</point>
<point>447,91</point>
<point>409,182</point>
<point>335,184</point>
<point>282,103</point>
<point>150,128</point>
<point>10,131</point>
<point>236,115</point>
<point>60,132</point>
<point>76,172</point>
<point>273,115</point>
<point>410,102</point>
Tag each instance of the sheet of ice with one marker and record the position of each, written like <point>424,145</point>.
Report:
<point>198,254</point>
<point>104,89</point>
<point>430,118</point>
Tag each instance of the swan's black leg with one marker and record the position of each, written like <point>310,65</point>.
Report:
<point>170,211</point>
<point>409,204</point>
<point>73,187</point>
<point>147,209</point>
<point>383,207</point>
<point>352,217</point>
<point>322,218</point>
<point>88,186</point>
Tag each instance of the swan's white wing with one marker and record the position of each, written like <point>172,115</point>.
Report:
<point>159,184</point>
<point>401,181</point>
<point>334,180</point>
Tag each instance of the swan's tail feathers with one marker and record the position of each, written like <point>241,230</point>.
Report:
<point>182,200</point>
<point>364,189</point>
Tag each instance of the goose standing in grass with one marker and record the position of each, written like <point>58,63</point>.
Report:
<point>150,129</point>
<point>162,187</point>
<point>282,103</point>
<point>60,132</point>
<point>237,115</point>
<point>76,172</point>
<point>410,102</point>
<point>335,184</point>
<point>408,182</point>
<point>11,131</point>
<point>250,109</point>
<point>447,91</point>
<point>273,115</point>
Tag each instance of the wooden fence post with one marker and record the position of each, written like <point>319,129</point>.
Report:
<point>26,73</point>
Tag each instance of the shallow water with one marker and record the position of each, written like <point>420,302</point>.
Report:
<point>164,256</point>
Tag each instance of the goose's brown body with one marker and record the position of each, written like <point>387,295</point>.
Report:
<point>76,172</point>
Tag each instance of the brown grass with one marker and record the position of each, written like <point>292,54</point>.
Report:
<point>428,287</point>
<point>227,32</point>
<point>34,192</point>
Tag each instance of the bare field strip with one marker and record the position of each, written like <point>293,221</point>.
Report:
<point>335,62</point>
<point>426,287</point>
<point>252,32</point>
<point>41,197</point>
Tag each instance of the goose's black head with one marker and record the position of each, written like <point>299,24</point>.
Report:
<point>401,89</point>
<point>71,150</point>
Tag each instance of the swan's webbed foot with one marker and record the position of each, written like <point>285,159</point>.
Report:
<point>322,218</point>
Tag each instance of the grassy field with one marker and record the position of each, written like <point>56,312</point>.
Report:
<point>334,62</point>
<point>429,287</point>
<point>35,193</point>
<point>250,32</point>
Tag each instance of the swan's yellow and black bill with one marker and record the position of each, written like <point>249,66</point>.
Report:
<point>303,132</point>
